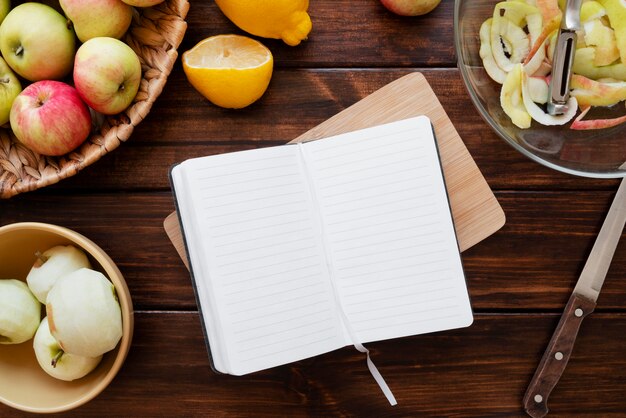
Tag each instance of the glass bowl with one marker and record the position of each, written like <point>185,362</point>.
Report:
<point>593,153</point>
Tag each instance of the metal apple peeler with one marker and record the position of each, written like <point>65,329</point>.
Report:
<point>564,58</point>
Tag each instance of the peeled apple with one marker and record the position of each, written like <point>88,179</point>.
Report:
<point>19,312</point>
<point>53,264</point>
<point>83,313</point>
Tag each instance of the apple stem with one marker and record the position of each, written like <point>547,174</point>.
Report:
<point>19,50</point>
<point>56,358</point>
<point>41,259</point>
<point>5,80</point>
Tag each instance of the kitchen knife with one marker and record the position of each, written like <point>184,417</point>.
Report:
<point>581,303</point>
<point>564,58</point>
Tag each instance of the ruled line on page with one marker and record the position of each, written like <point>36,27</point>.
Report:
<point>297,337</point>
<point>290,309</point>
<point>291,260</point>
<point>278,244</point>
<point>408,276</point>
<point>402,305</point>
<point>383,204</point>
<point>389,242</point>
<point>343,193</point>
<point>363,179</point>
<point>238,202</point>
<point>397,315</point>
<point>378,272</point>
<point>264,296</point>
<point>359,237</point>
<point>283,302</point>
<point>373,157</point>
<point>433,319</point>
<point>271,284</point>
<point>381,214</point>
<point>273,215</point>
<point>361,139</point>
<point>262,189</point>
<point>401,286</point>
<point>249,279</point>
<point>309,343</point>
<point>392,250</point>
<point>254,170</point>
<point>367,149</point>
<point>256,209</point>
<point>239,162</point>
<point>374,167</point>
<point>246,181</point>
<point>378,196</point>
<point>386,222</point>
<point>264,227</point>
<point>391,297</point>
<point>282,331</point>
<point>284,321</point>
<point>261,257</point>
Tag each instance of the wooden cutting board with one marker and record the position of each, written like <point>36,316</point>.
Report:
<point>477,214</point>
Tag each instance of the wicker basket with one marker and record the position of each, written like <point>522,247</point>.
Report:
<point>155,35</point>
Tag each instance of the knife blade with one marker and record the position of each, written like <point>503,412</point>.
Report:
<point>581,303</point>
<point>564,59</point>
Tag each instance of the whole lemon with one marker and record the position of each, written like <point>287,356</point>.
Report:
<point>278,19</point>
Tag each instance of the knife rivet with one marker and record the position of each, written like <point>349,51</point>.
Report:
<point>578,312</point>
<point>538,398</point>
<point>558,355</point>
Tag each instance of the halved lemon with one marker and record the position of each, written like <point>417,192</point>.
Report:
<point>232,71</point>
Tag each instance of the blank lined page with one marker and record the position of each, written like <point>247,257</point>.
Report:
<point>389,227</point>
<point>261,263</point>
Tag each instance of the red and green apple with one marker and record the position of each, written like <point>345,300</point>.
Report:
<point>37,42</point>
<point>410,7</point>
<point>10,87</point>
<point>107,73</point>
<point>50,118</point>
<point>96,18</point>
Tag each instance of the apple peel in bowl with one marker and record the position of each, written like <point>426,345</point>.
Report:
<point>523,34</point>
<point>585,125</point>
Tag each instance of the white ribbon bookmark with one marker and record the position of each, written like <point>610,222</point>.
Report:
<point>329,264</point>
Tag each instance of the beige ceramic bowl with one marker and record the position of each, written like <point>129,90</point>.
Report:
<point>23,384</point>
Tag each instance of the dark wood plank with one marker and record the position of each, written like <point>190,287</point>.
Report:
<point>532,263</point>
<point>482,371</point>
<point>183,124</point>
<point>347,34</point>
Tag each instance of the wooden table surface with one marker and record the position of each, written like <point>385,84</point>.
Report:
<point>519,279</point>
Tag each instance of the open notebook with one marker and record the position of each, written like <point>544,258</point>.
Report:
<point>301,249</point>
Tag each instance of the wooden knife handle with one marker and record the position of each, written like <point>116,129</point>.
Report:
<point>556,356</point>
